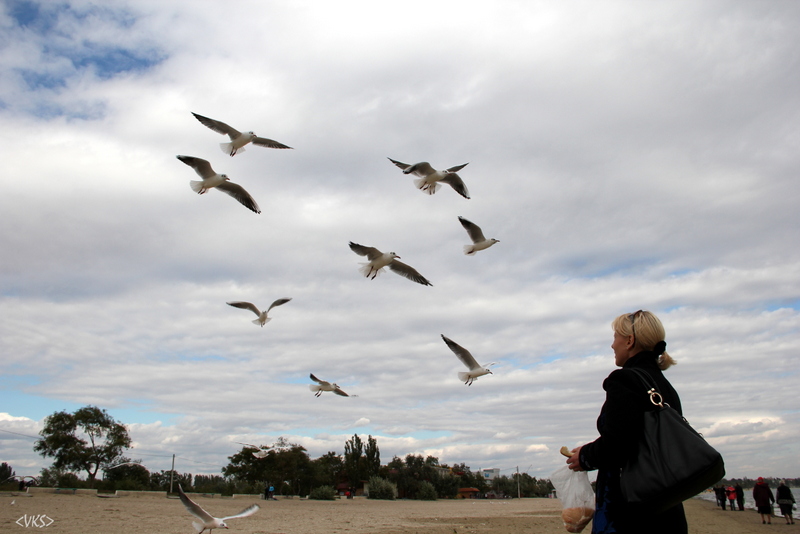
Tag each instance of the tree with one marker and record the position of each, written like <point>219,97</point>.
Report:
<point>126,474</point>
<point>372,457</point>
<point>6,473</point>
<point>353,462</point>
<point>326,470</point>
<point>65,435</point>
<point>284,462</point>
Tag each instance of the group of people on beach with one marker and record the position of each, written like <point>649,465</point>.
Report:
<point>732,494</point>
<point>765,500</point>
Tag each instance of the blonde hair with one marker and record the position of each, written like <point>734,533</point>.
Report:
<point>647,332</point>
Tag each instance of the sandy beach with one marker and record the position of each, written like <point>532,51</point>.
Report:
<point>87,514</point>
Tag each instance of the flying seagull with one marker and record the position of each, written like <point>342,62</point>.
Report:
<point>211,179</point>
<point>238,139</point>
<point>476,235</point>
<point>429,178</point>
<point>262,316</point>
<point>378,260</point>
<point>466,358</point>
<point>260,453</point>
<point>325,386</point>
<point>208,521</point>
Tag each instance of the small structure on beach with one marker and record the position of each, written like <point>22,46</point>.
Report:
<point>468,493</point>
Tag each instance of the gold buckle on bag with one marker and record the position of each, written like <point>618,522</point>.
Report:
<point>655,394</point>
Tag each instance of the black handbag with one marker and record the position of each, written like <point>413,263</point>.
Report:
<point>672,461</point>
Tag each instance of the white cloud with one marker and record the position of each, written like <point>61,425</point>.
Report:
<point>626,157</point>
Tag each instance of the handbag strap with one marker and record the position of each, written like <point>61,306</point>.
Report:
<point>655,396</point>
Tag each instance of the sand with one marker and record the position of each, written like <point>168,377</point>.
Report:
<point>87,514</point>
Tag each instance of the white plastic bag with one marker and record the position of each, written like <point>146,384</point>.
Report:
<point>577,498</point>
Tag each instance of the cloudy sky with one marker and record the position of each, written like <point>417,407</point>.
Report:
<point>626,154</point>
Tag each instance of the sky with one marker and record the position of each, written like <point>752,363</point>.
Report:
<point>627,155</point>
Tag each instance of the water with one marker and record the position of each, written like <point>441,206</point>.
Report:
<point>749,504</point>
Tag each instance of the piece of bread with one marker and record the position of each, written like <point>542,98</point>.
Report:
<point>576,519</point>
<point>565,451</point>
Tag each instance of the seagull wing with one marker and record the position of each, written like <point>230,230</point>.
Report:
<point>421,169</point>
<point>269,143</point>
<point>245,306</point>
<point>456,183</point>
<point>200,166</point>
<point>250,510</point>
<point>462,353</point>
<point>218,126</point>
<point>340,392</point>
<point>238,192</point>
<point>370,252</point>
<point>278,302</point>
<point>317,380</point>
<point>457,168</point>
<point>409,272</point>
<point>194,508</point>
<point>247,444</point>
<point>473,230</point>
<point>400,164</point>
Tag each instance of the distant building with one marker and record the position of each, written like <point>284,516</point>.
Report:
<point>490,474</point>
<point>468,493</point>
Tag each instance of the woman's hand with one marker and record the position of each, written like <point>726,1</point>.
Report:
<point>573,461</point>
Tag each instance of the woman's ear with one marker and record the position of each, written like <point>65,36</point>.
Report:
<point>631,341</point>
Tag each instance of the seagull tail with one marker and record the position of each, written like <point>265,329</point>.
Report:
<point>425,187</point>
<point>229,150</point>
<point>369,272</point>
<point>258,321</point>
<point>196,186</point>
<point>314,387</point>
<point>198,526</point>
<point>463,376</point>
<point>469,250</point>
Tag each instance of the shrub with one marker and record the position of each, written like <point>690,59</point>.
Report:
<point>380,488</point>
<point>323,493</point>
<point>426,491</point>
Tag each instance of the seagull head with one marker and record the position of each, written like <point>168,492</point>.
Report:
<point>225,177</point>
<point>393,255</point>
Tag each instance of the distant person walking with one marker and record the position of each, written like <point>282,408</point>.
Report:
<point>730,492</point>
<point>785,500</point>
<point>764,498</point>
<point>719,491</point>
<point>739,495</point>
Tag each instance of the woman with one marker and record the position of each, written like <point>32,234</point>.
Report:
<point>638,344</point>
<point>785,500</point>
<point>762,495</point>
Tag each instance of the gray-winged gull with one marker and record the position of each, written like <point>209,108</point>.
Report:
<point>211,179</point>
<point>208,521</point>
<point>238,139</point>
<point>429,178</point>
<point>479,242</point>
<point>378,260</point>
<point>262,315</point>
<point>261,451</point>
<point>466,358</point>
<point>322,385</point>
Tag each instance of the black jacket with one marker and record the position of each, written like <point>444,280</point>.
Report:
<point>620,424</point>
